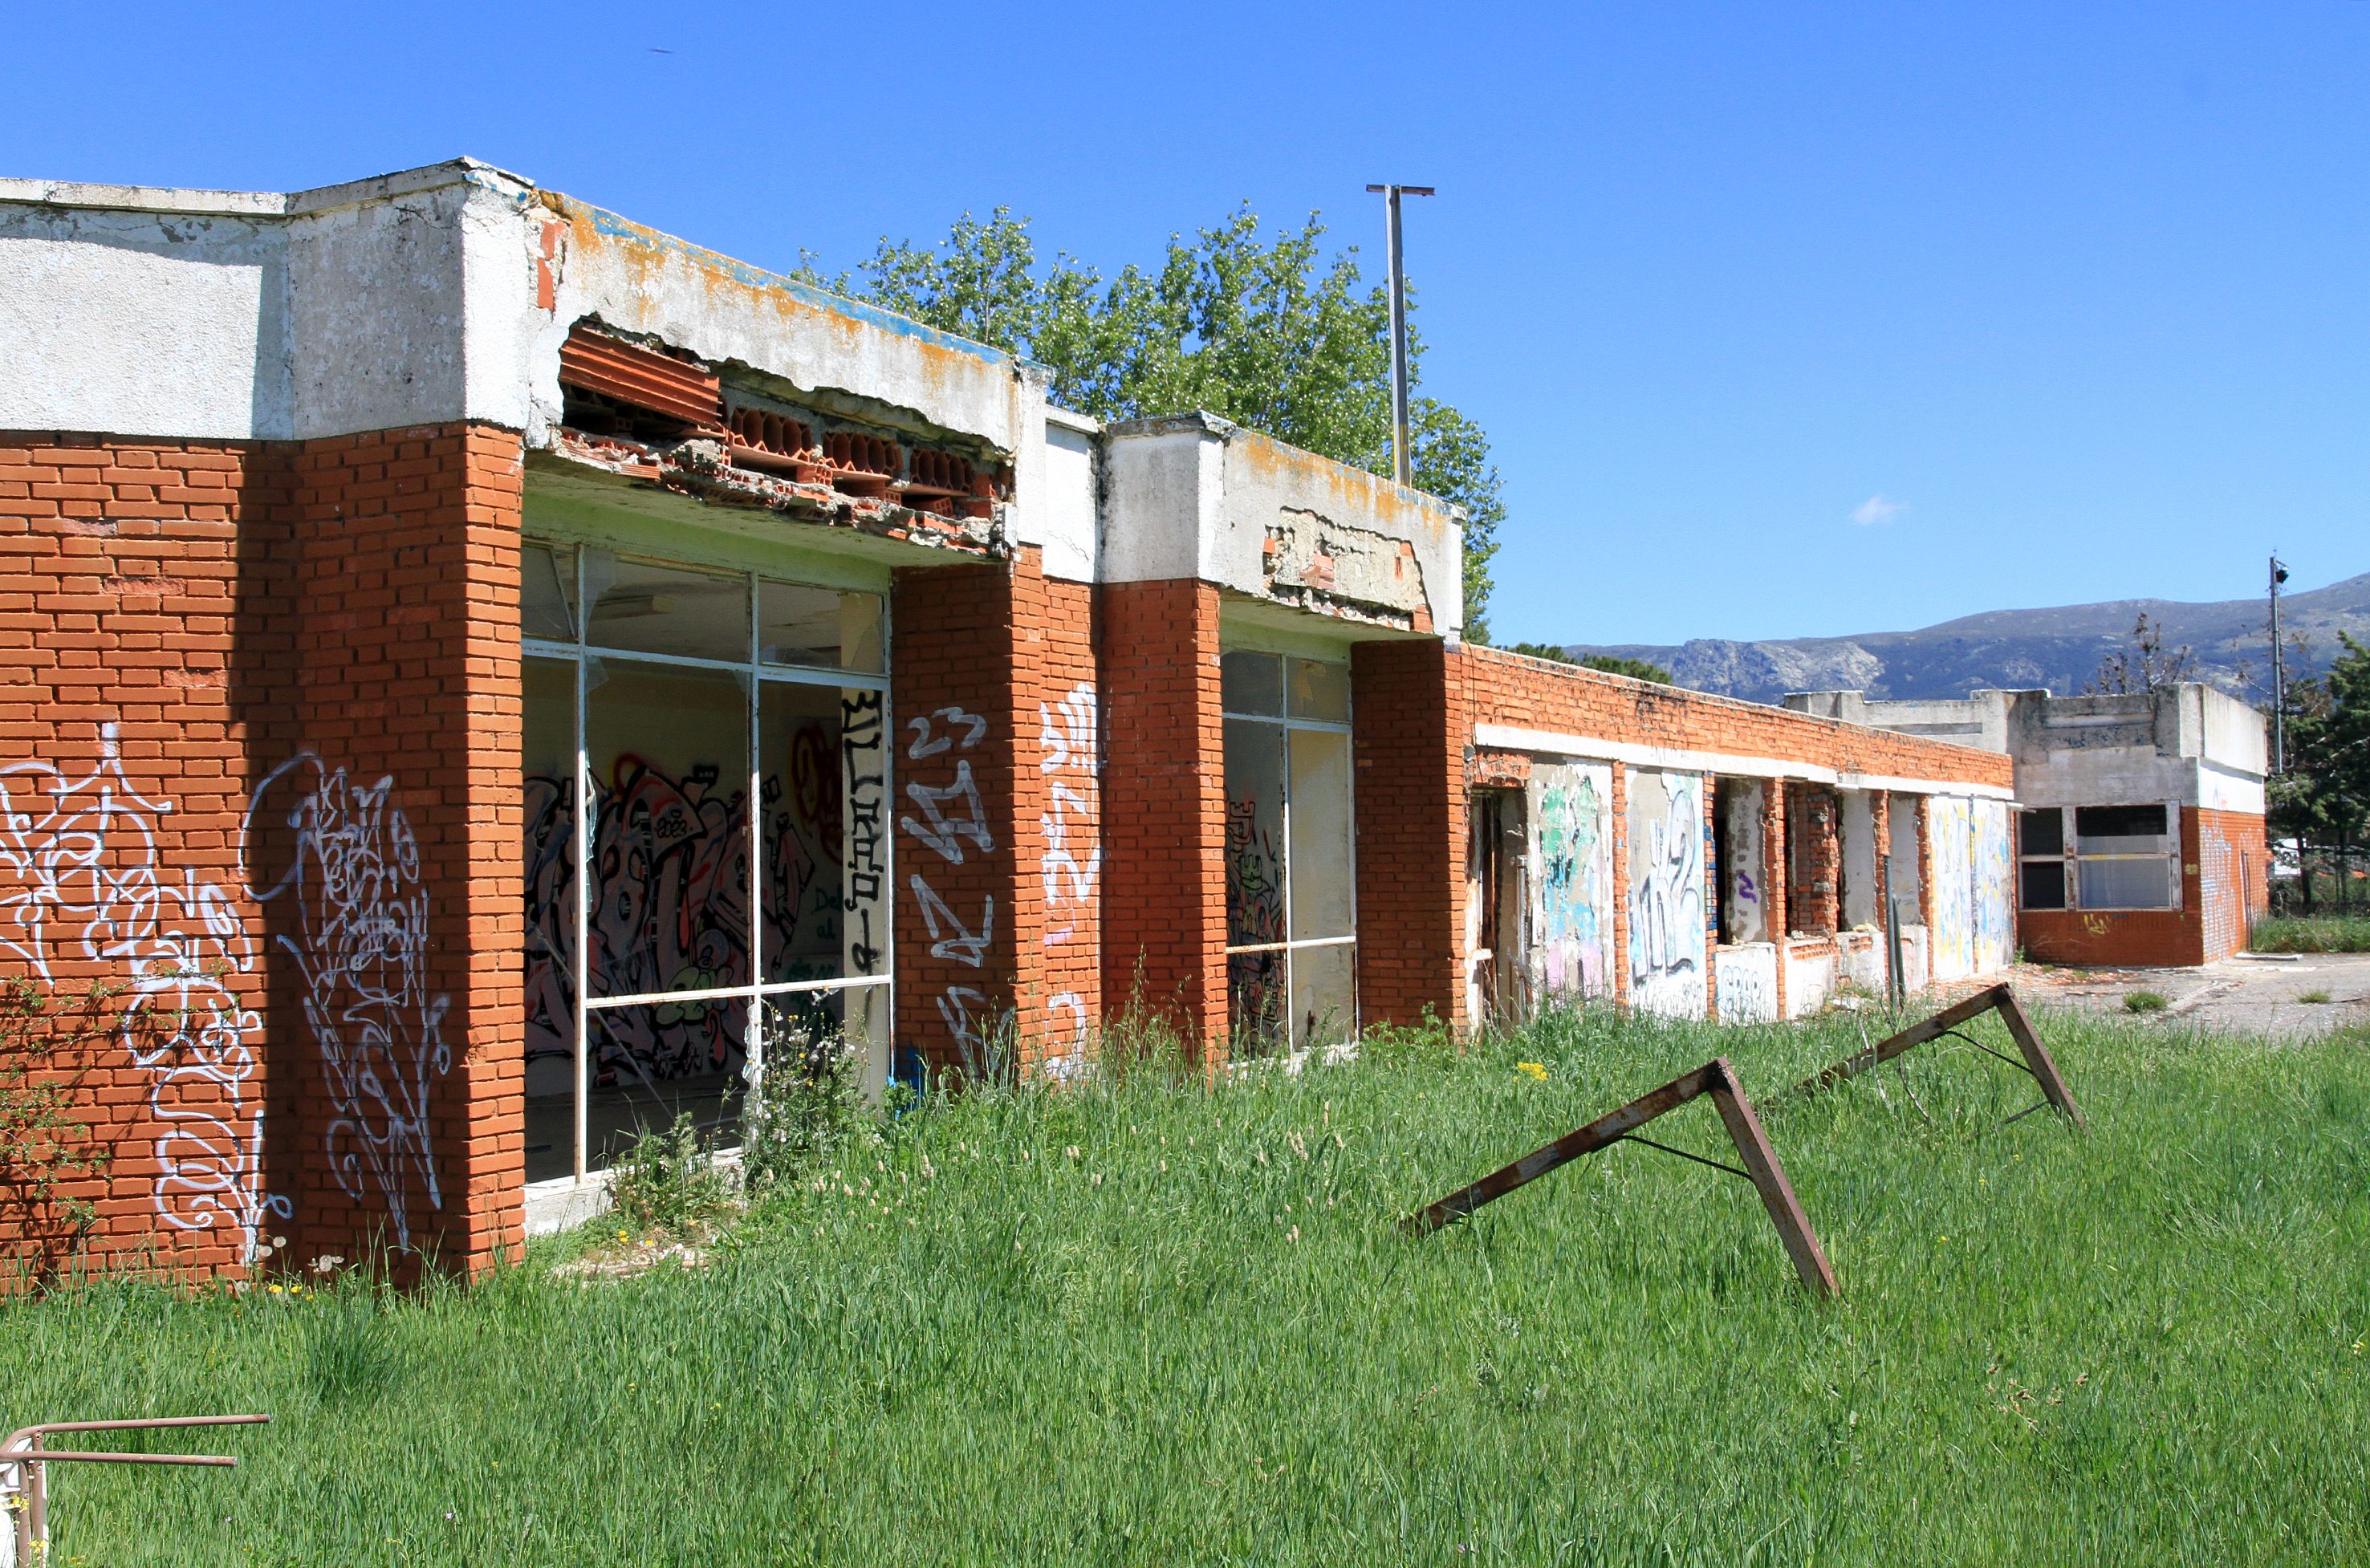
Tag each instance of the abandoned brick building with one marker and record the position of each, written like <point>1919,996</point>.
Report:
<point>2140,833</point>
<point>472,666</point>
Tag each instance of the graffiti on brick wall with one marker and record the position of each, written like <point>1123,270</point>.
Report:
<point>347,872</point>
<point>950,821</point>
<point>1572,903</point>
<point>1746,980</point>
<point>1070,760</point>
<point>671,904</point>
<point>1666,894</point>
<point>82,886</point>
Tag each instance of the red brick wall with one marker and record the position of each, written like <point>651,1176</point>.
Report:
<point>218,609</point>
<point>963,911</point>
<point>1509,688</point>
<point>1064,827</point>
<point>401,594</point>
<point>2233,878</point>
<point>1164,808</point>
<point>1410,808</point>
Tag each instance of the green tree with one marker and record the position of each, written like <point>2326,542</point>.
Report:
<point>1636,668</point>
<point>1549,651</point>
<point>1270,333</point>
<point>2322,796</point>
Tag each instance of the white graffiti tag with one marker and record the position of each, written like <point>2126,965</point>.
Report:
<point>1071,763</point>
<point>963,1007</point>
<point>80,883</point>
<point>347,865</point>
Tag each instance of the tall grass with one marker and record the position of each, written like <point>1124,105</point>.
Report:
<point>2312,933</point>
<point>1146,1322</point>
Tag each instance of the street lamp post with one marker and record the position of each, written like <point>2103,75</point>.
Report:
<point>1399,458</point>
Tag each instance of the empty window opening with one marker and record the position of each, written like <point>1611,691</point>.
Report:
<point>2126,857</point>
<point>1737,805</point>
<point>704,751</point>
<point>1291,886</point>
<point>1498,891</point>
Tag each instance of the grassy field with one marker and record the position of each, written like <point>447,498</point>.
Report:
<point>1155,1324</point>
<point>2320,933</point>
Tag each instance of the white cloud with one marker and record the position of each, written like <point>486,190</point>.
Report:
<point>1877,508</point>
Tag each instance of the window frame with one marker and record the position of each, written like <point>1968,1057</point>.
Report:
<point>2169,855</point>
<point>1287,723</point>
<point>754,673</point>
<point>2063,859</point>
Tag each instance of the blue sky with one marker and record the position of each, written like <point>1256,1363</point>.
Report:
<point>1784,320</point>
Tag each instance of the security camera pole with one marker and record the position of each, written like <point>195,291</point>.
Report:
<point>2279,682</point>
<point>1399,459</point>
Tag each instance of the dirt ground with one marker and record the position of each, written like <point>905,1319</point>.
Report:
<point>2240,996</point>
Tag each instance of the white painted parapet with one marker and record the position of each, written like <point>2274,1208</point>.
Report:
<point>1197,497</point>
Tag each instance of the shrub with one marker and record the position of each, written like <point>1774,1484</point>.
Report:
<point>809,1101</point>
<point>670,1180</point>
<point>2320,933</point>
<point>2144,1001</point>
<point>44,1057</point>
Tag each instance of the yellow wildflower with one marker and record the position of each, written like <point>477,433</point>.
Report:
<point>1537,1070</point>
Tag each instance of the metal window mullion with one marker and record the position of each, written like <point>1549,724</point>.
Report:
<point>584,965</point>
<point>752,1058</point>
<point>1291,854</point>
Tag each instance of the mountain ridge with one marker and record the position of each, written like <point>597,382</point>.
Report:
<point>2057,647</point>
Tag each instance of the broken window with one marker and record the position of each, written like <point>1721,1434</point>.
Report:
<point>720,737</point>
<point>2040,857</point>
<point>2126,857</point>
<point>1291,888</point>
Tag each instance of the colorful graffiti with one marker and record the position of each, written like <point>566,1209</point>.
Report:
<point>345,861</point>
<point>1256,986</point>
<point>82,886</point>
<point>1572,902</point>
<point>671,906</point>
<point>1974,882</point>
<point>1992,880</point>
<point>1667,940</point>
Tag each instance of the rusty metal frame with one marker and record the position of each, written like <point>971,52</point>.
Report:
<point>2037,1059</point>
<point>1714,1078</point>
<point>27,1496</point>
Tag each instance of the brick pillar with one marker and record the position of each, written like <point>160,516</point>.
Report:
<point>1409,742</point>
<point>1164,935</point>
<point>959,683</point>
<point>1826,823</point>
<point>383,839</point>
<point>1063,766</point>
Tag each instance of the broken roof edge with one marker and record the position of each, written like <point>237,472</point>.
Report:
<point>206,202</point>
<point>1202,421</point>
<point>615,226</point>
